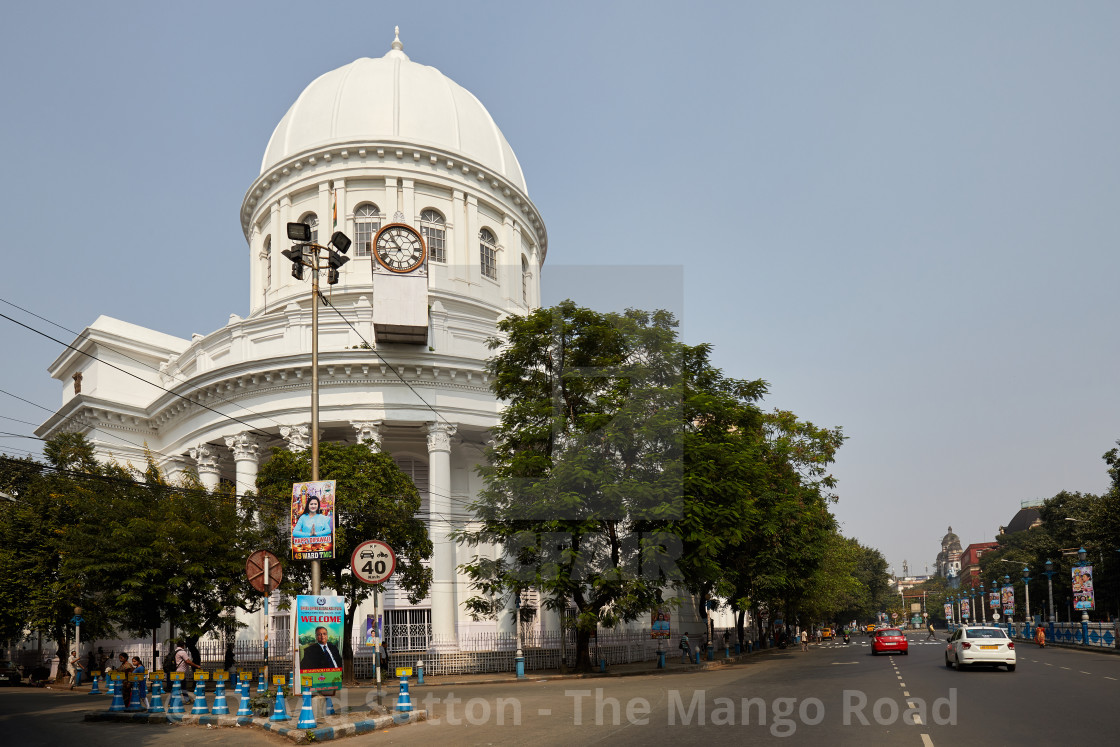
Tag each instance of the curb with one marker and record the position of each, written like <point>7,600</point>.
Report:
<point>297,736</point>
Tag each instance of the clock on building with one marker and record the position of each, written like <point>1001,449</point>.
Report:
<point>399,248</point>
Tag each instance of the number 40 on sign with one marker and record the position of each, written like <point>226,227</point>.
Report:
<point>373,562</point>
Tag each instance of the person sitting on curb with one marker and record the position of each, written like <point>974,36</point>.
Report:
<point>686,649</point>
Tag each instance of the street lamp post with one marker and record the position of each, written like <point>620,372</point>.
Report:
<point>1027,598</point>
<point>306,253</point>
<point>1082,556</point>
<point>1049,573</point>
<point>1010,615</point>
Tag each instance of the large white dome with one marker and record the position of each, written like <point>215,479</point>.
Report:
<point>393,99</point>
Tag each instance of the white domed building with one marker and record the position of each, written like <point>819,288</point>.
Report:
<point>376,141</point>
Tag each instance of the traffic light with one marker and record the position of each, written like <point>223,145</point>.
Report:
<point>334,262</point>
<point>296,255</point>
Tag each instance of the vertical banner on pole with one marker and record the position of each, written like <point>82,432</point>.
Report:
<point>320,624</point>
<point>312,520</point>
<point>949,612</point>
<point>1083,598</point>
<point>966,609</point>
<point>1007,600</point>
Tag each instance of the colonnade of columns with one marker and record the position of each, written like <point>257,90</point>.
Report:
<point>246,454</point>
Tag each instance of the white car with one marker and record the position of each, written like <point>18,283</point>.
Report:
<point>980,645</point>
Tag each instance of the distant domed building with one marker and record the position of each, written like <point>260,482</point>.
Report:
<point>376,141</point>
<point>948,562</point>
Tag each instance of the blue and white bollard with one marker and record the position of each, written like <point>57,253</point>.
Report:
<point>279,710</point>
<point>262,687</point>
<point>419,671</point>
<point>404,700</point>
<point>157,697</point>
<point>738,648</point>
<point>291,680</point>
<point>110,685</point>
<point>306,715</point>
<point>727,651</point>
<point>175,705</point>
<point>134,701</point>
<point>711,651</point>
<point>697,656</point>
<point>95,690</point>
<point>243,708</point>
<point>660,659</point>
<point>520,667</point>
<point>329,708</point>
<point>221,708</point>
<point>118,698</point>
<point>602,665</point>
<point>200,707</point>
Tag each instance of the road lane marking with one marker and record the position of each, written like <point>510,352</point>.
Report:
<point>902,684</point>
<point>1066,668</point>
<point>927,741</point>
<point>918,720</point>
<point>906,693</point>
<point>1049,664</point>
<point>1110,678</point>
<point>544,711</point>
<point>1084,672</point>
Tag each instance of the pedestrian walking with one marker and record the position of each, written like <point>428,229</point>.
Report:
<point>184,664</point>
<point>385,657</point>
<point>76,669</point>
<point>686,649</point>
<point>804,640</point>
<point>1040,636</point>
<point>125,666</point>
<point>138,668</point>
<point>932,635</point>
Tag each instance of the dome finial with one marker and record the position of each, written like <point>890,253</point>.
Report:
<point>397,39</point>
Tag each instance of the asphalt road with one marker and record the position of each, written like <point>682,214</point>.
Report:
<point>834,694</point>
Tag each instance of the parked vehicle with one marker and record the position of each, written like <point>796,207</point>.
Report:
<point>10,674</point>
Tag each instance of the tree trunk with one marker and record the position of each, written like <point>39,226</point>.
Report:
<point>740,617</point>
<point>583,654</point>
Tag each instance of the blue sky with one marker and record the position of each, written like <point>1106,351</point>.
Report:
<point>901,215</point>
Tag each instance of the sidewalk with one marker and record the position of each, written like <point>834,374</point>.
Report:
<point>673,665</point>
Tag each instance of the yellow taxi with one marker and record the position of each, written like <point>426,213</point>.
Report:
<point>826,633</point>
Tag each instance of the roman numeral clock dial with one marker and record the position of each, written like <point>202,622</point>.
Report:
<point>399,248</point>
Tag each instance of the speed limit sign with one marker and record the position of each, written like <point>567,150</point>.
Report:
<point>373,562</point>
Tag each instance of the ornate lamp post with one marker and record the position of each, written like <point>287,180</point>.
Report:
<point>1049,573</point>
<point>1027,598</point>
<point>1082,556</point>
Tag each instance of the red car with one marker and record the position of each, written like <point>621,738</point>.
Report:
<point>887,640</point>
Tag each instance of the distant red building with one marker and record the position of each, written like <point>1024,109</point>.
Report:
<point>970,562</point>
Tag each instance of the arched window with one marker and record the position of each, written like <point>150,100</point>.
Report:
<point>431,225</point>
<point>312,220</point>
<point>488,253</point>
<point>267,262</point>
<point>524,280</point>
<point>367,221</point>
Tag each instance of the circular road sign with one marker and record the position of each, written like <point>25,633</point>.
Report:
<point>373,562</point>
<point>894,615</point>
<point>254,569</point>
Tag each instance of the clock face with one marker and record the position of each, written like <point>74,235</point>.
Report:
<point>399,248</point>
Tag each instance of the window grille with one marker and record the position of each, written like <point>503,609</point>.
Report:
<point>408,629</point>
<point>367,221</point>
<point>488,253</point>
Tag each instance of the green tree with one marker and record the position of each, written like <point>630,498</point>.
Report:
<point>585,477</point>
<point>374,500</point>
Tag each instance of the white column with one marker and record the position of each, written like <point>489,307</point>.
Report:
<point>297,436</point>
<point>369,432</point>
<point>206,462</point>
<point>247,458</point>
<point>444,607</point>
<point>281,216</point>
<point>473,266</point>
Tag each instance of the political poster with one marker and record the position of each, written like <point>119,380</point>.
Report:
<point>373,629</point>
<point>1007,599</point>
<point>966,610</point>
<point>659,624</point>
<point>993,600</point>
<point>320,622</point>
<point>1083,588</point>
<point>948,612</point>
<point>313,520</point>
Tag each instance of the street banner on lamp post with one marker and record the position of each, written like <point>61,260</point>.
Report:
<point>320,622</point>
<point>993,599</point>
<point>1007,599</point>
<point>312,520</point>
<point>1083,588</point>
<point>659,624</point>
<point>966,611</point>
<point>948,612</point>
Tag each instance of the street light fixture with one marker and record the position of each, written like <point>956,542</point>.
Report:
<point>1027,594</point>
<point>306,253</point>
